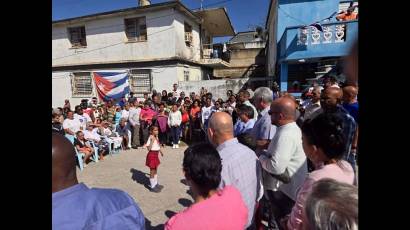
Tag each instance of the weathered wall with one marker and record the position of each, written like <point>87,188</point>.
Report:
<point>182,50</point>
<point>217,87</point>
<point>246,57</point>
<point>244,63</point>
<point>107,41</point>
<point>163,77</point>
<point>195,73</point>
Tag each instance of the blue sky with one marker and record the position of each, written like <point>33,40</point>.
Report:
<point>244,14</point>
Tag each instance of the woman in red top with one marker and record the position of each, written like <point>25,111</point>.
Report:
<point>194,117</point>
<point>184,123</point>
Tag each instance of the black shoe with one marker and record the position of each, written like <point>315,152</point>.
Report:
<point>155,189</point>
<point>160,187</point>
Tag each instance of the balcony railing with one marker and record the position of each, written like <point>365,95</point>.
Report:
<point>300,42</point>
<point>214,55</point>
<point>209,51</point>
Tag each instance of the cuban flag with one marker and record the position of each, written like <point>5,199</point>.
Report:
<point>111,84</point>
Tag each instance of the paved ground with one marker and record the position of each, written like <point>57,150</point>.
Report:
<point>127,171</point>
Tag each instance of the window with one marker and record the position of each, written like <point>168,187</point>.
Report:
<point>77,36</point>
<point>140,81</point>
<point>136,29</point>
<point>186,74</point>
<point>188,34</point>
<point>82,84</point>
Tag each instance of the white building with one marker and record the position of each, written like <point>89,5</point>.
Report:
<point>159,44</point>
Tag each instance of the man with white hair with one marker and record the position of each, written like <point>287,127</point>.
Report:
<point>263,130</point>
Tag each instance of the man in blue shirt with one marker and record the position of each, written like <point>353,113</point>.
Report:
<point>75,206</point>
<point>246,122</point>
<point>263,130</point>
<point>241,167</point>
<point>350,102</point>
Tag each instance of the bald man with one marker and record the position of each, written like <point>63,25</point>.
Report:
<point>351,105</point>
<point>240,166</point>
<point>75,206</point>
<point>350,101</point>
<point>284,156</point>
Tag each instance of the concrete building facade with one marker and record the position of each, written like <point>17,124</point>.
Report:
<point>158,44</point>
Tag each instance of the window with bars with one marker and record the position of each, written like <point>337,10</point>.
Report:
<point>82,84</point>
<point>77,36</point>
<point>136,29</point>
<point>186,75</point>
<point>140,81</point>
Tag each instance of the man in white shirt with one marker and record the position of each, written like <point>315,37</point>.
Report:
<point>134,120</point>
<point>125,113</point>
<point>206,112</point>
<point>71,125</point>
<point>175,91</point>
<point>284,163</point>
<point>82,117</point>
<point>91,133</point>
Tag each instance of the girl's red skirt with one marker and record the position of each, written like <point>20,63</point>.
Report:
<point>152,159</point>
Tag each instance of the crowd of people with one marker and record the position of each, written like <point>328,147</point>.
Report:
<point>269,156</point>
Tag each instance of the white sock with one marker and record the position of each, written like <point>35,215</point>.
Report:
<point>152,182</point>
<point>156,178</point>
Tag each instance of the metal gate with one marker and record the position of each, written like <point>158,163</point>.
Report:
<point>140,81</point>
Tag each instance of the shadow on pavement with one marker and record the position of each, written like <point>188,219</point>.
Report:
<point>140,177</point>
<point>148,225</point>
<point>169,213</point>
<point>185,202</point>
<point>183,181</point>
<point>189,192</point>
